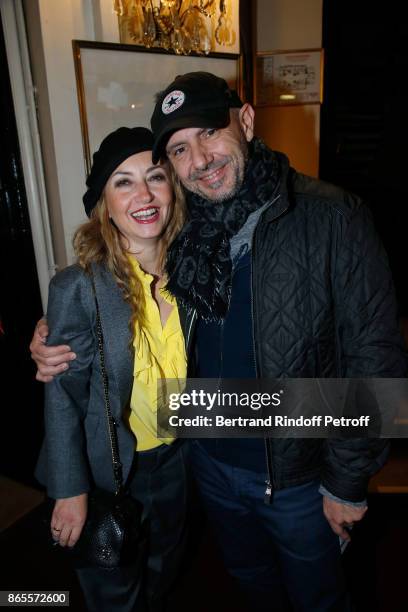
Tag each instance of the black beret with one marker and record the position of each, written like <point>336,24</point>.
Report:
<point>114,149</point>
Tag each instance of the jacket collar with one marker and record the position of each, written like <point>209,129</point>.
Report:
<point>280,201</point>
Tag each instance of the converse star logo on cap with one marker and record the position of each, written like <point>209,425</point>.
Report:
<point>173,101</point>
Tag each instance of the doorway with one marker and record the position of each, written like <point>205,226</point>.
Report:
<point>20,302</point>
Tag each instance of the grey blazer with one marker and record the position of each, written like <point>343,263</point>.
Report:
<point>76,451</point>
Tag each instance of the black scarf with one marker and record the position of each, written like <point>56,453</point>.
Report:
<point>198,261</point>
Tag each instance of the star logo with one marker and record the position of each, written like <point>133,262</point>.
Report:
<point>173,101</point>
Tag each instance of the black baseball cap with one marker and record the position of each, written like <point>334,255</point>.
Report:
<point>113,150</point>
<point>195,99</point>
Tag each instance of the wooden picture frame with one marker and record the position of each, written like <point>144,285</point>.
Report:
<point>116,84</point>
<point>289,77</point>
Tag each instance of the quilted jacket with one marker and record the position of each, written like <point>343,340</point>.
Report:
<point>323,306</point>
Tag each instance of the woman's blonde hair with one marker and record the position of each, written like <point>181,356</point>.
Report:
<point>99,241</point>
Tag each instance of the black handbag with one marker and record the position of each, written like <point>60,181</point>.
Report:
<point>114,534</point>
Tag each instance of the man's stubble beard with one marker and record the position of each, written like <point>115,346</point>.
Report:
<point>238,166</point>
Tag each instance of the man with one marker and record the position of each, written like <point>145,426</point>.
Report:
<point>288,279</point>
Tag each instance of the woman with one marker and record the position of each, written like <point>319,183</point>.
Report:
<point>134,215</point>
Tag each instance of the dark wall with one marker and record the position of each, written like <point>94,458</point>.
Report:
<point>364,124</point>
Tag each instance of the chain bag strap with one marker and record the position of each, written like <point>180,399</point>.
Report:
<point>113,437</point>
<point>114,533</point>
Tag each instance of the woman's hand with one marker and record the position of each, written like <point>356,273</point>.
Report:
<point>68,518</point>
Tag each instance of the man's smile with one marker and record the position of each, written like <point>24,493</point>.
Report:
<point>212,177</point>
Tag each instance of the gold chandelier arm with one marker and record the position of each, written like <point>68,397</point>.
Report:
<point>176,24</point>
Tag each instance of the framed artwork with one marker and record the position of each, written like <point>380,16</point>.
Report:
<point>116,84</point>
<point>289,77</point>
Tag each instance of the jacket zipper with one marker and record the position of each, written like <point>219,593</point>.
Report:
<point>270,482</point>
<point>188,335</point>
<point>269,468</point>
<point>221,354</point>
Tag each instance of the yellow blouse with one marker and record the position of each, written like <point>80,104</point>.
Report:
<point>159,354</point>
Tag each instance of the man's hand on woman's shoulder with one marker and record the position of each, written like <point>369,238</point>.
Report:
<point>50,360</point>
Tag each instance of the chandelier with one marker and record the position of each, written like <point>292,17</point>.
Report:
<point>183,26</point>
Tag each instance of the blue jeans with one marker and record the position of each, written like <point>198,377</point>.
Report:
<point>281,552</point>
